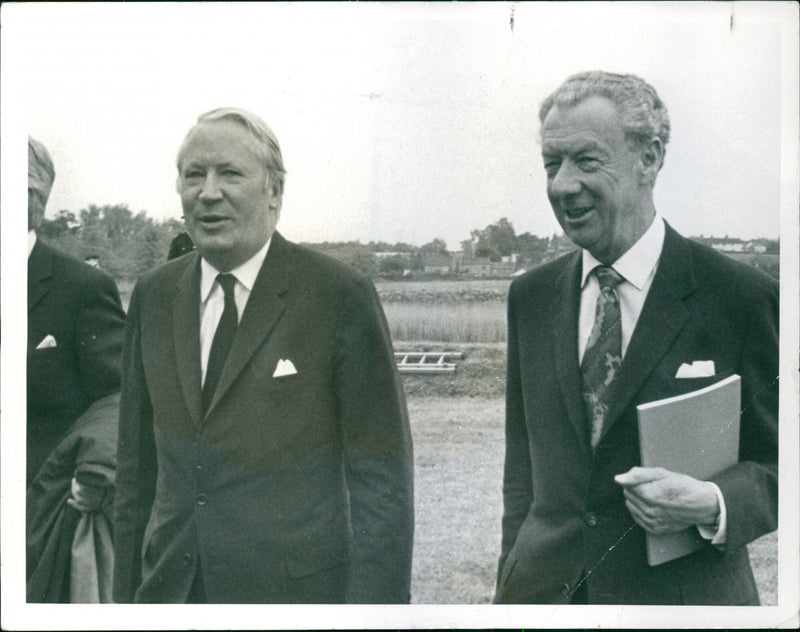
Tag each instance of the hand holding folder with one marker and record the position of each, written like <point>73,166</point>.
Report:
<point>662,501</point>
<point>684,441</point>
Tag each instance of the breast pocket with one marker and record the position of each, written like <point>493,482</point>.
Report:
<point>682,385</point>
<point>46,357</point>
<point>289,417</point>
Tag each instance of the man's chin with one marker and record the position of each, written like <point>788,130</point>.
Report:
<point>583,238</point>
<point>207,240</point>
<point>213,248</point>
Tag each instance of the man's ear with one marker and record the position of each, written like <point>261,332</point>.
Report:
<point>651,157</point>
<point>275,195</point>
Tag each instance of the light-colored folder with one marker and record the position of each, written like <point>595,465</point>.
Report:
<point>696,434</point>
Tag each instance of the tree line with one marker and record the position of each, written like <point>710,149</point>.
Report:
<point>127,244</point>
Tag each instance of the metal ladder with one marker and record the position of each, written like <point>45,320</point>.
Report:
<point>427,361</point>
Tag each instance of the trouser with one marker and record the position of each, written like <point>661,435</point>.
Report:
<point>197,593</point>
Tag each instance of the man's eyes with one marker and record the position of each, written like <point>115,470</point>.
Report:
<point>588,163</point>
<point>552,166</point>
<point>226,173</point>
<point>585,163</point>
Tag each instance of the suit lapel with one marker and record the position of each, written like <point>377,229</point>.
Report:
<point>40,265</point>
<point>662,318</point>
<point>566,307</point>
<point>264,307</point>
<point>186,335</point>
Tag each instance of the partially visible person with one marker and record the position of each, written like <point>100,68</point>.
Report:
<point>636,314</point>
<point>179,246</point>
<point>92,260</point>
<point>75,330</point>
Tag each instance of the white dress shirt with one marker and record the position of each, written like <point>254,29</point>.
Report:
<point>212,298</point>
<point>637,267</point>
<point>31,241</point>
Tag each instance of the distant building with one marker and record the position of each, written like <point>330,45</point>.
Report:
<point>728,246</point>
<point>435,264</point>
<point>479,267</point>
<point>503,268</point>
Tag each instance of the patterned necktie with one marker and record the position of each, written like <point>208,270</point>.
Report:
<point>603,355</point>
<point>223,338</point>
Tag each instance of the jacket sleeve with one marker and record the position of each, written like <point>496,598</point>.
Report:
<point>750,488</point>
<point>517,487</point>
<point>377,452</point>
<point>136,462</point>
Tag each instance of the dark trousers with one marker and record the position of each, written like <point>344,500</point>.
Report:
<point>197,593</point>
<point>581,594</point>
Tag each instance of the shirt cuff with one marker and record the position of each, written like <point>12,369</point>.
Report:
<point>717,533</point>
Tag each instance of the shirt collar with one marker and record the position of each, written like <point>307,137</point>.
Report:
<point>245,274</point>
<point>31,241</point>
<point>639,260</point>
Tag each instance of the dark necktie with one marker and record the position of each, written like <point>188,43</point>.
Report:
<point>603,355</point>
<point>223,338</point>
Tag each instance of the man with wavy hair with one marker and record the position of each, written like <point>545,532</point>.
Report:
<point>264,446</point>
<point>610,326</point>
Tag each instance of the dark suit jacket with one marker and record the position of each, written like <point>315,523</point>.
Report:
<point>79,306</point>
<point>563,514</point>
<point>73,403</point>
<point>291,489</point>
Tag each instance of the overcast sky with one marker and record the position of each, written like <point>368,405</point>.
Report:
<point>400,122</point>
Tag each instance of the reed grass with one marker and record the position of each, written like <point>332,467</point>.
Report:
<point>447,322</point>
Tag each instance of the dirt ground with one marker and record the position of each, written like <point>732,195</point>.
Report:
<point>458,443</point>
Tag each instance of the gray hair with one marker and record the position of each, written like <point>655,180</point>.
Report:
<point>644,115</point>
<point>267,143</point>
<point>41,174</point>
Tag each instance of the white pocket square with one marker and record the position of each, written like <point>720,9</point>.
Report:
<point>698,368</point>
<point>47,342</point>
<point>285,367</point>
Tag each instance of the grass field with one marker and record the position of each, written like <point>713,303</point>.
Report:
<point>459,322</point>
<point>446,311</point>
<point>459,450</point>
<point>458,444</point>
<point>465,291</point>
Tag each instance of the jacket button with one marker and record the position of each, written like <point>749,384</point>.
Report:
<point>201,499</point>
<point>591,519</point>
<point>565,590</point>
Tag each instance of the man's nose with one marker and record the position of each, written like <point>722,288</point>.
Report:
<point>211,190</point>
<point>566,182</point>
